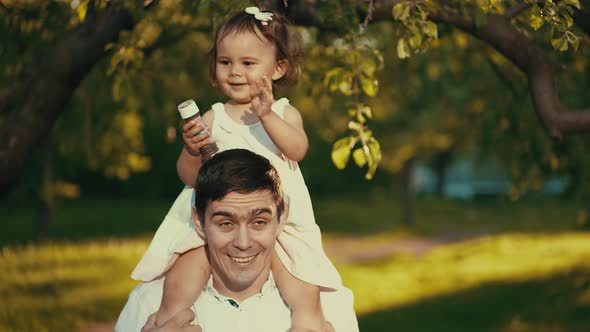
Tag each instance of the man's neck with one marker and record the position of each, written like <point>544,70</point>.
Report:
<point>239,293</point>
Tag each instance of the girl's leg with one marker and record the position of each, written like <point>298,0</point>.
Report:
<point>302,298</point>
<point>184,282</point>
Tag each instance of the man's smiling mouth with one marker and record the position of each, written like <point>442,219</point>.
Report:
<point>242,260</point>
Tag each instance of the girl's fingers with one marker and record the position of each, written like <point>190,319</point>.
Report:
<point>254,89</point>
<point>194,131</point>
<point>150,323</point>
<point>268,83</point>
<point>199,138</point>
<point>191,128</point>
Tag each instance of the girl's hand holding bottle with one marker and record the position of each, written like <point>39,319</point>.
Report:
<point>195,137</point>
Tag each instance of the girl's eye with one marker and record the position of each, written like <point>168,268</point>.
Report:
<point>248,63</point>
<point>224,62</point>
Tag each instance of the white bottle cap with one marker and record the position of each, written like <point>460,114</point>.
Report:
<point>187,108</point>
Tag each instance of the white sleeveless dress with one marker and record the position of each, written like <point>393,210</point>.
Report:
<point>299,246</point>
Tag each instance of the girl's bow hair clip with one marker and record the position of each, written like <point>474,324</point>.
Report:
<point>263,17</point>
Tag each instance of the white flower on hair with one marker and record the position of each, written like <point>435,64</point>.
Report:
<point>263,17</point>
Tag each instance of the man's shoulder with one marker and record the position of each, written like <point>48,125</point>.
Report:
<point>339,309</point>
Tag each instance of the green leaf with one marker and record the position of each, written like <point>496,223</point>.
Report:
<point>415,40</point>
<point>484,5</point>
<point>366,111</point>
<point>401,10</point>
<point>560,43</point>
<point>402,49</point>
<point>430,29</point>
<point>352,125</point>
<point>359,157</point>
<point>368,66</point>
<point>369,85</point>
<point>375,157</point>
<point>572,39</point>
<point>360,118</point>
<point>81,10</point>
<point>574,3</point>
<point>341,152</point>
<point>536,20</point>
<point>345,87</point>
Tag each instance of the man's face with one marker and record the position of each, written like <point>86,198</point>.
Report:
<point>241,231</point>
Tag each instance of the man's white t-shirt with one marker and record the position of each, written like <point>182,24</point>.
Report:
<point>265,311</point>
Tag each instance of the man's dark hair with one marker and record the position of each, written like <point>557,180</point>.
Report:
<point>236,170</point>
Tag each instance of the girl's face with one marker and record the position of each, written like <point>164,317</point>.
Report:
<point>244,57</point>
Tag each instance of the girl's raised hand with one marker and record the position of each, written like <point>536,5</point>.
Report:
<point>262,97</point>
<point>193,142</point>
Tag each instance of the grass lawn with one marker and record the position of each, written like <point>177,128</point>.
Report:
<point>531,273</point>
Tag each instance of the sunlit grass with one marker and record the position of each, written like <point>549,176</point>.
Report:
<point>531,273</point>
<point>60,287</point>
<point>509,258</point>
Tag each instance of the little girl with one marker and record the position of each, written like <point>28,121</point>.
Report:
<point>254,51</point>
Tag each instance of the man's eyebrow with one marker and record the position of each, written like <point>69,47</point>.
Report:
<point>260,211</point>
<point>252,213</point>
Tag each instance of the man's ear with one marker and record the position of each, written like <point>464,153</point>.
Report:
<point>197,221</point>
<point>280,69</point>
<point>283,218</point>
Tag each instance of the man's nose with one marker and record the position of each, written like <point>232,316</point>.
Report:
<point>242,239</point>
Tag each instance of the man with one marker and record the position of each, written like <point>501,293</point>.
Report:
<point>240,211</point>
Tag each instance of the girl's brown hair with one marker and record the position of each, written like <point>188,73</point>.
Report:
<point>278,31</point>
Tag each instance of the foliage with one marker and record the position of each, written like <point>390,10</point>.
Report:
<point>357,64</point>
<point>420,30</point>
<point>461,96</point>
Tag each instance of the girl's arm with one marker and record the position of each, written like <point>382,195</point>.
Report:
<point>189,161</point>
<point>288,133</point>
<point>183,284</point>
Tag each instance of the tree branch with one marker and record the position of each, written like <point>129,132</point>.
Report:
<point>369,16</point>
<point>539,68</point>
<point>511,13</point>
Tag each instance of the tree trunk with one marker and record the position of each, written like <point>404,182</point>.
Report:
<point>441,164</point>
<point>46,196</point>
<point>33,103</point>
<point>408,192</point>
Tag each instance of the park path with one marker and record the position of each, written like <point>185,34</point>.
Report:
<point>358,249</point>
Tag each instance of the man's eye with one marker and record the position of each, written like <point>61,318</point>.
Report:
<point>260,223</point>
<point>225,225</point>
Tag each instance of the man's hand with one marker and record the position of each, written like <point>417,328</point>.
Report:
<point>178,323</point>
<point>327,328</point>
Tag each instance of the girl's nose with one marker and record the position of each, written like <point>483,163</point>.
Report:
<point>234,72</point>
